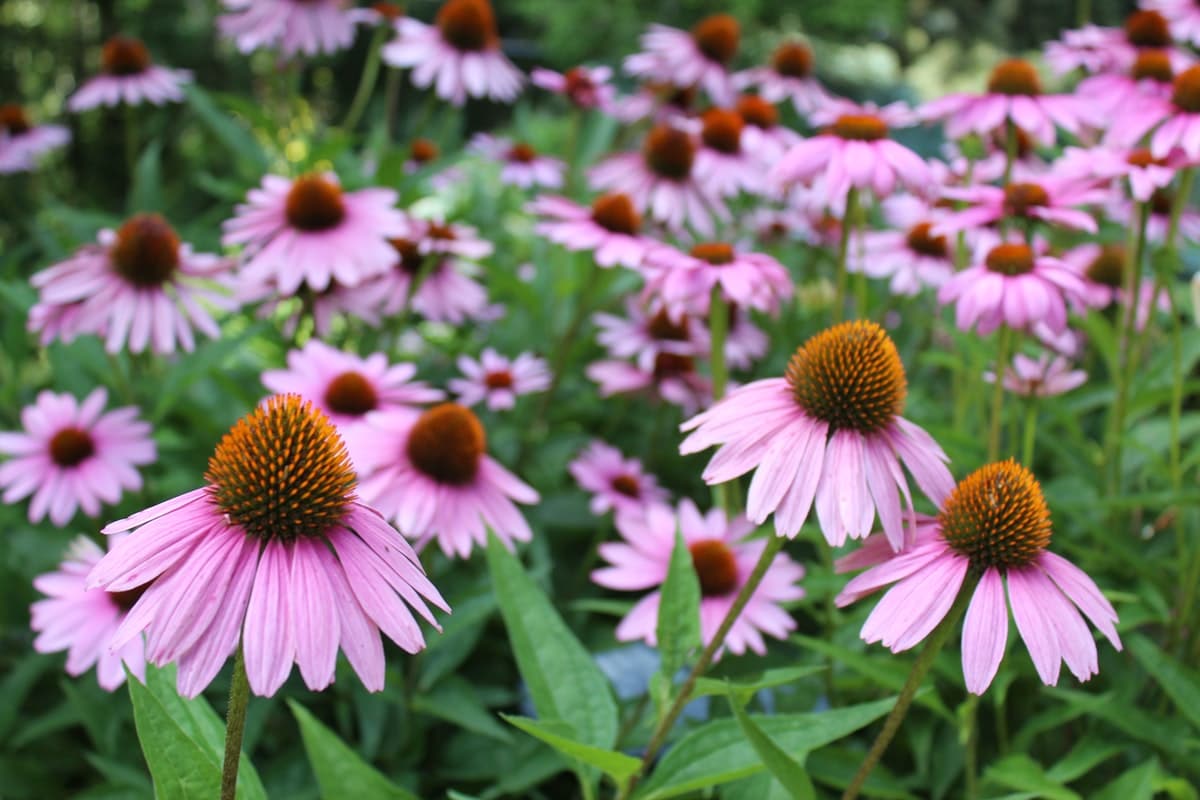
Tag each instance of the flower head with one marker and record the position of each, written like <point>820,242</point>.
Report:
<point>22,143</point>
<point>617,483</point>
<point>129,76</point>
<point>611,227</point>
<point>685,281</point>
<point>275,551</point>
<point>498,380</point>
<point>1051,199</point>
<point>699,57</point>
<point>908,252</point>
<point>789,76</point>
<point>584,87</point>
<point>829,433</point>
<point>521,165</point>
<point>293,26</point>
<point>1041,377</point>
<point>994,526</point>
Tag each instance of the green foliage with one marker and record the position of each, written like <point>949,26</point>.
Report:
<point>340,771</point>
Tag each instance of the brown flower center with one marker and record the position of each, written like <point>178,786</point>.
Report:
<point>792,60</point>
<point>1147,29</point>
<point>997,517</point>
<point>1186,92</point>
<point>441,230</point>
<point>715,566</point>
<point>580,87</point>
<point>1020,197</point>
<point>13,119</point>
<point>849,376</point>
<point>672,365</point>
<point>615,212</point>
<point>409,258</point>
<point>314,204</point>
<point>389,11</point>
<point>282,471</point>
<point>1161,202</point>
<point>715,253</point>
<point>722,130</point>
<point>146,252</point>
<point>351,394</point>
<point>663,328</point>
<point>757,112</point>
<point>1142,157</point>
<point>921,241</point>
<point>859,127</point>
<point>1010,259</point>
<point>1014,76</point>
<point>447,443</point>
<point>669,152</point>
<point>71,446</point>
<point>716,37</point>
<point>468,25</point>
<point>124,55</point>
<point>521,153</point>
<point>627,485</point>
<point>423,151</point>
<point>500,379</point>
<point>1154,65</point>
<point>1108,268</point>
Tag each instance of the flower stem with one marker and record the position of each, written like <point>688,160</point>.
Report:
<point>1012,146</point>
<point>839,298</point>
<point>1126,363</point>
<point>235,726</point>
<point>933,645</point>
<point>366,84</point>
<point>659,737</point>
<point>718,326</point>
<point>1003,349</point>
<point>131,147</point>
<point>1029,436</point>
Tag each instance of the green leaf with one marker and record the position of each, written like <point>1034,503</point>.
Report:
<point>238,140</point>
<point>718,752</point>
<point>146,192</point>
<point>184,741</point>
<point>1180,684</point>
<point>340,771</point>
<point>455,701</point>
<point>779,676</point>
<point>678,610</point>
<point>785,768</point>
<point>1022,773</point>
<point>617,765</point>
<point>1135,784</point>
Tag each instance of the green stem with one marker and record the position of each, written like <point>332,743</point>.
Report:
<point>391,101</point>
<point>718,326</point>
<point>1029,437</point>
<point>971,754</point>
<point>839,298</point>
<point>659,737</point>
<point>1003,350</point>
<point>366,84</point>
<point>1126,365</point>
<point>131,148</point>
<point>1012,144</point>
<point>235,726</point>
<point>933,645</point>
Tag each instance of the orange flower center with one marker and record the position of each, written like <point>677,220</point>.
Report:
<point>921,241</point>
<point>859,127</point>
<point>351,394</point>
<point>13,119</point>
<point>447,444</point>
<point>521,153</point>
<point>997,517</point>
<point>468,25</point>
<point>423,151</point>
<point>1108,268</point>
<point>389,11</point>
<point>615,212</point>
<point>71,446</point>
<point>849,376</point>
<point>716,37</point>
<point>627,485</point>
<point>1142,157</point>
<point>757,112</point>
<point>715,253</point>
<point>1010,259</point>
<point>1015,76</point>
<point>500,379</point>
<point>1153,65</point>
<point>1186,92</point>
<point>124,55</point>
<point>1147,29</point>
<point>716,567</point>
<point>792,60</point>
<point>282,471</point>
<point>314,204</point>
<point>146,252</point>
<point>1020,197</point>
<point>722,130</point>
<point>663,328</point>
<point>579,86</point>
<point>669,152</point>
<point>672,365</point>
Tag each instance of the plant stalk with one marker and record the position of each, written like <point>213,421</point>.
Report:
<point>235,726</point>
<point>1003,351</point>
<point>839,299</point>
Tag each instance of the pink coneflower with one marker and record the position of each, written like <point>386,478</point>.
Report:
<point>1103,269</point>
<point>521,165</point>
<point>1014,94</point>
<point>1172,121</point>
<point>276,553</point>
<point>762,135</point>
<point>829,432</point>
<point>699,57</point>
<point>309,232</point>
<point>421,153</point>
<point>611,228</point>
<point>724,165</point>
<point>1158,223</point>
<point>661,180</point>
<point>81,621</point>
<point>994,525</point>
<point>1149,77</point>
<point>129,76</point>
<point>293,26</point>
<point>1090,48</point>
<point>789,76</point>
<point>22,143</point>
<point>723,559</point>
<point>447,238</point>
<point>745,342</point>
<point>669,377</point>
<point>346,387</point>
<point>431,474</point>
<point>685,281</point>
<point>659,101</point>
<point>459,54</point>
<point>71,456</point>
<point>382,13</point>
<point>1010,283</point>
<point>139,287</point>
<point>498,380</point>
<point>1052,199</point>
<point>1145,173</point>
<point>1040,377</point>
<point>907,252</point>
<point>617,483</point>
<point>438,287</point>
<point>325,306</point>
<point>1183,16</point>
<point>645,333</point>
<point>584,87</point>
<point>853,151</point>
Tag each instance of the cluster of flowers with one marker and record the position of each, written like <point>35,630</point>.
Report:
<point>983,226</point>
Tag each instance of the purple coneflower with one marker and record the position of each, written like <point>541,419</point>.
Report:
<point>1040,377</point>
<point>520,164</point>
<point>129,76</point>
<point>617,483</point>
<point>293,26</point>
<point>907,251</point>
<point>699,57</point>
<point>584,87</point>
<point>725,165</point>
<point>22,143</point>
<point>685,281</point>
<point>611,228</point>
<point>789,76</point>
<point>497,380</point>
